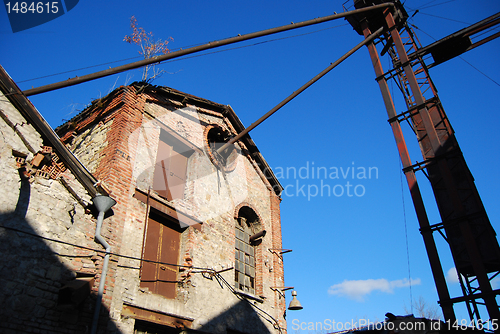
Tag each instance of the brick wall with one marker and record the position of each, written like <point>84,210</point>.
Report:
<point>119,136</point>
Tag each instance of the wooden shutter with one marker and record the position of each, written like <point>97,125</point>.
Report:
<point>177,176</point>
<point>169,179</point>
<point>148,269</point>
<point>161,172</point>
<point>161,245</point>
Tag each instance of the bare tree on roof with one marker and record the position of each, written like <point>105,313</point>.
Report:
<point>150,48</point>
<point>424,309</point>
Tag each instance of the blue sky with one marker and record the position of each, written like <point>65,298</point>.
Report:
<point>350,258</point>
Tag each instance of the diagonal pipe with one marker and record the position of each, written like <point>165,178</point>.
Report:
<point>300,90</point>
<point>210,45</point>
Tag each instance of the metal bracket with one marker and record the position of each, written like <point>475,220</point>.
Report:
<point>280,289</point>
<point>279,251</point>
<point>429,103</point>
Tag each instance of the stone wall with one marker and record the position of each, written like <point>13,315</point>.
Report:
<point>46,237</point>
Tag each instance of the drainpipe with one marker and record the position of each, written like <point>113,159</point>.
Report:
<point>103,204</point>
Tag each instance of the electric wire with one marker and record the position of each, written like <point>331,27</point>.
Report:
<point>427,5</point>
<point>424,6</point>
<point>233,290</point>
<point>183,58</point>
<point>491,29</point>
<point>201,270</point>
<point>100,250</point>
<point>437,16</point>
<point>498,84</point>
<point>406,236</point>
<point>79,69</point>
<point>404,214</point>
<point>246,46</point>
<point>486,32</point>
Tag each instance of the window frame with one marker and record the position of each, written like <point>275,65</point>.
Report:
<point>172,142</point>
<point>247,218</point>
<point>245,261</point>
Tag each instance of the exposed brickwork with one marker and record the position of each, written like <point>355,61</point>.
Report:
<point>279,278</point>
<point>118,138</point>
<point>115,170</point>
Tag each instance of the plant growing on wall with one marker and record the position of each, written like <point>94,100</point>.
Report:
<point>149,48</point>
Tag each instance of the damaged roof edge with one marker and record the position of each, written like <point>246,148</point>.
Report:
<point>28,111</point>
<point>185,98</point>
<point>228,112</point>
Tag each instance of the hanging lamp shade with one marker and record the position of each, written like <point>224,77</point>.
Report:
<point>295,304</point>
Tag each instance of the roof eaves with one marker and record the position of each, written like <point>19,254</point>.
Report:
<point>28,111</point>
<point>85,113</point>
<point>179,96</point>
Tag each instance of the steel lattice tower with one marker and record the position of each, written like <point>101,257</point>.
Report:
<point>465,225</point>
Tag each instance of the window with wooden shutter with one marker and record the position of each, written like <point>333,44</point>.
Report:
<point>160,255</point>
<point>170,172</point>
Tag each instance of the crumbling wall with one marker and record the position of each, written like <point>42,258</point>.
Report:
<point>83,145</point>
<point>212,196</point>
<point>46,236</point>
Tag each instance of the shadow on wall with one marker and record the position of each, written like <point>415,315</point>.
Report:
<point>31,277</point>
<point>240,318</point>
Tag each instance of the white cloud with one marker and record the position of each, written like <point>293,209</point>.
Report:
<point>452,275</point>
<point>358,289</point>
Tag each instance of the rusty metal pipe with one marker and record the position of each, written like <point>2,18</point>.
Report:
<point>300,90</point>
<point>210,45</point>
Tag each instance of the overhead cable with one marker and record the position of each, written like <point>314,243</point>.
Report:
<point>183,58</point>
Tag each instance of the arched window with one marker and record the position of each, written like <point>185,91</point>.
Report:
<point>215,138</point>
<point>247,228</point>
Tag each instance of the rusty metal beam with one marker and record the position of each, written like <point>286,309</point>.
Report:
<point>483,41</point>
<point>442,146</point>
<point>161,318</point>
<point>454,40</point>
<point>430,245</point>
<point>207,46</point>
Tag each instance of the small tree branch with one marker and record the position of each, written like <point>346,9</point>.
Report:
<point>149,48</point>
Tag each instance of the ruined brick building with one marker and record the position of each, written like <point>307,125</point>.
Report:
<point>194,237</point>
